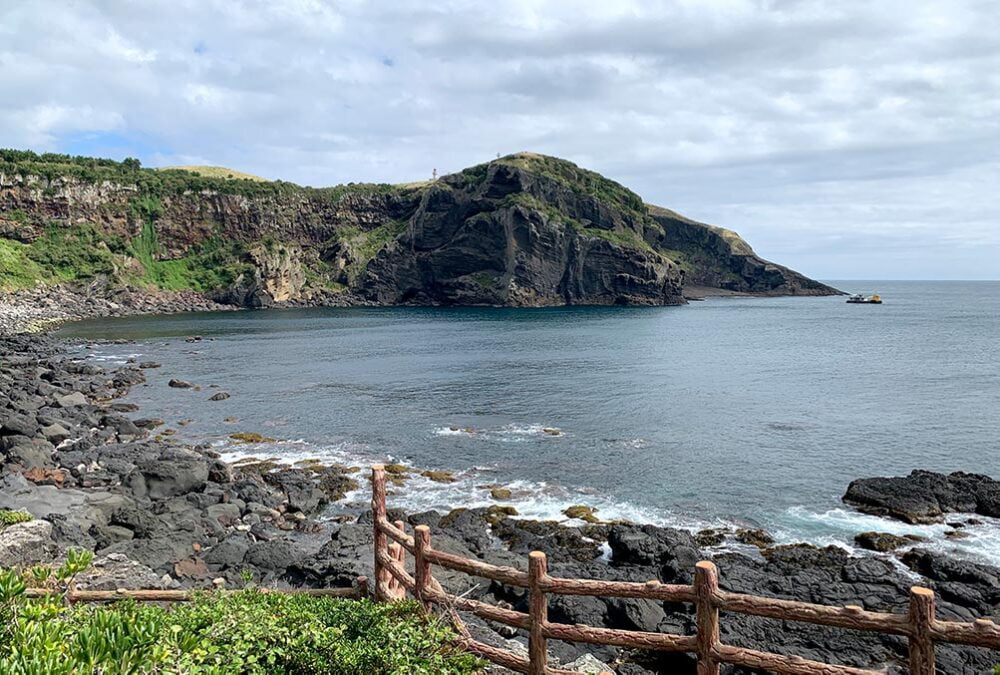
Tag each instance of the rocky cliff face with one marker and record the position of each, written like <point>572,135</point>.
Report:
<point>714,257</point>
<point>505,235</point>
<point>524,230</point>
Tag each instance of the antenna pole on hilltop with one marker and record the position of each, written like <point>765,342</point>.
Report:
<point>434,174</point>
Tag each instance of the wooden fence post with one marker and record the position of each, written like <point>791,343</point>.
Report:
<point>421,566</point>
<point>380,542</point>
<point>921,618</point>
<point>538,651</point>
<point>399,556</point>
<point>706,587</point>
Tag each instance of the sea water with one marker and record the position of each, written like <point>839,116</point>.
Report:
<point>731,411</point>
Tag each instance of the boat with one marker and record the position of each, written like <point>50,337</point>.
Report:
<point>858,299</point>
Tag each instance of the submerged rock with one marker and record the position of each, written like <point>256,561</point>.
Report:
<point>754,537</point>
<point>500,493</point>
<point>250,437</point>
<point>439,476</point>
<point>884,542</point>
<point>580,512</point>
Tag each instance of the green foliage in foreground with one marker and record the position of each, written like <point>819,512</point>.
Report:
<point>245,632</point>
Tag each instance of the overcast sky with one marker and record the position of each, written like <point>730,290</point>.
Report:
<point>845,139</point>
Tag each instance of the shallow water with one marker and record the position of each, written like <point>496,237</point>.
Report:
<point>730,410</point>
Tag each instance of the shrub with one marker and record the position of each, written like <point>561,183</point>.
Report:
<point>13,517</point>
<point>246,632</point>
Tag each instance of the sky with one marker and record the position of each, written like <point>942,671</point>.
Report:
<point>848,139</point>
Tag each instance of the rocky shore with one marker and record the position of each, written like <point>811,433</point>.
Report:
<point>36,309</point>
<point>97,473</point>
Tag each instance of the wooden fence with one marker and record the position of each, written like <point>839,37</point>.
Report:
<point>73,595</point>
<point>920,625</point>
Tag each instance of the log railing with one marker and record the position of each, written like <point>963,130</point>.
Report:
<point>920,626</point>
<point>73,595</point>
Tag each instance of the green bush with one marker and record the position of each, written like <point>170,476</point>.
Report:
<point>12,517</point>
<point>246,632</point>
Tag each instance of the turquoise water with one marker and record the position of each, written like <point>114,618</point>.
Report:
<point>731,410</point>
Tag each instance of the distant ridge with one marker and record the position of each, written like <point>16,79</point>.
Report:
<point>525,230</point>
<point>215,172</point>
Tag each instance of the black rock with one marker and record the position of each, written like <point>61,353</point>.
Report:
<point>925,496</point>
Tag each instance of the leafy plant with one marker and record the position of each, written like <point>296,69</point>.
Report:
<point>250,632</point>
<point>8,517</point>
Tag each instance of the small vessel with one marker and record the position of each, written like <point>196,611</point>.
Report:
<point>858,299</point>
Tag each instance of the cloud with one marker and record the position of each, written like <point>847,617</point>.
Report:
<point>849,139</point>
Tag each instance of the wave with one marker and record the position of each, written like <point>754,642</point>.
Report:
<point>545,500</point>
<point>980,540</point>
<point>509,433</point>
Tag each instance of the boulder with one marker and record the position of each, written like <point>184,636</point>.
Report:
<point>300,489</point>
<point>31,453</point>
<point>72,400</point>
<point>754,537</point>
<point>883,542</point>
<point>925,496</point>
<point>180,384</point>
<point>175,472</point>
<point>191,568</point>
<point>23,544</point>
<point>229,552</point>
<point>227,514</point>
<point>15,423</point>
<point>588,664</point>
<point>55,433</point>
<point>116,570</point>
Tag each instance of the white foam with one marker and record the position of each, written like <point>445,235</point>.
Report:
<point>509,433</point>
<point>838,526</point>
<point>543,500</point>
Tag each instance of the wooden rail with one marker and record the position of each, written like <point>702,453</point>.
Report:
<point>157,595</point>
<point>920,625</point>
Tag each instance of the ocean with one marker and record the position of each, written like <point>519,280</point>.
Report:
<point>731,411</point>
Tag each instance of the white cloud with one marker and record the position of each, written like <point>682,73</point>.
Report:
<point>848,139</point>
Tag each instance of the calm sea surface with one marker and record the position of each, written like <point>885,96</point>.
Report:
<point>756,411</point>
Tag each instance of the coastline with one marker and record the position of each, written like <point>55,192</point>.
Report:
<point>113,484</point>
<point>44,308</point>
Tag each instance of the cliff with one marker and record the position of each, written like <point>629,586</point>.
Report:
<point>523,230</point>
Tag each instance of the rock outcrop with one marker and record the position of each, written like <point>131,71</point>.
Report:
<point>925,496</point>
<point>522,230</point>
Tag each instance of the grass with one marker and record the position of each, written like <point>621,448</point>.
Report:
<point>215,172</point>
<point>580,180</point>
<point>17,270</point>
<point>80,252</point>
<point>212,265</point>
<point>68,253</point>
